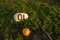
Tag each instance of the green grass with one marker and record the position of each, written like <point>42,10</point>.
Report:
<point>40,15</point>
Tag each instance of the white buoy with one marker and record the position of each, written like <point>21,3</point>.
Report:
<point>20,16</point>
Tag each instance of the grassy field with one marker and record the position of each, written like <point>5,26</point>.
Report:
<point>41,15</point>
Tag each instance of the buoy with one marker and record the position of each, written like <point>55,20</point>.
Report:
<point>20,16</point>
<point>26,32</point>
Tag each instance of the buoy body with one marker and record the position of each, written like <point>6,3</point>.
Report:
<point>20,16</point>
<point>26,32</point>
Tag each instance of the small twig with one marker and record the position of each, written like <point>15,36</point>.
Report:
<point>47,34</point>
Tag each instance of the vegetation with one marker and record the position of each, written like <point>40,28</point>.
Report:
<point>41,15</point>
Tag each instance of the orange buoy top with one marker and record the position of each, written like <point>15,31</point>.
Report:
<point>26,32</point>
